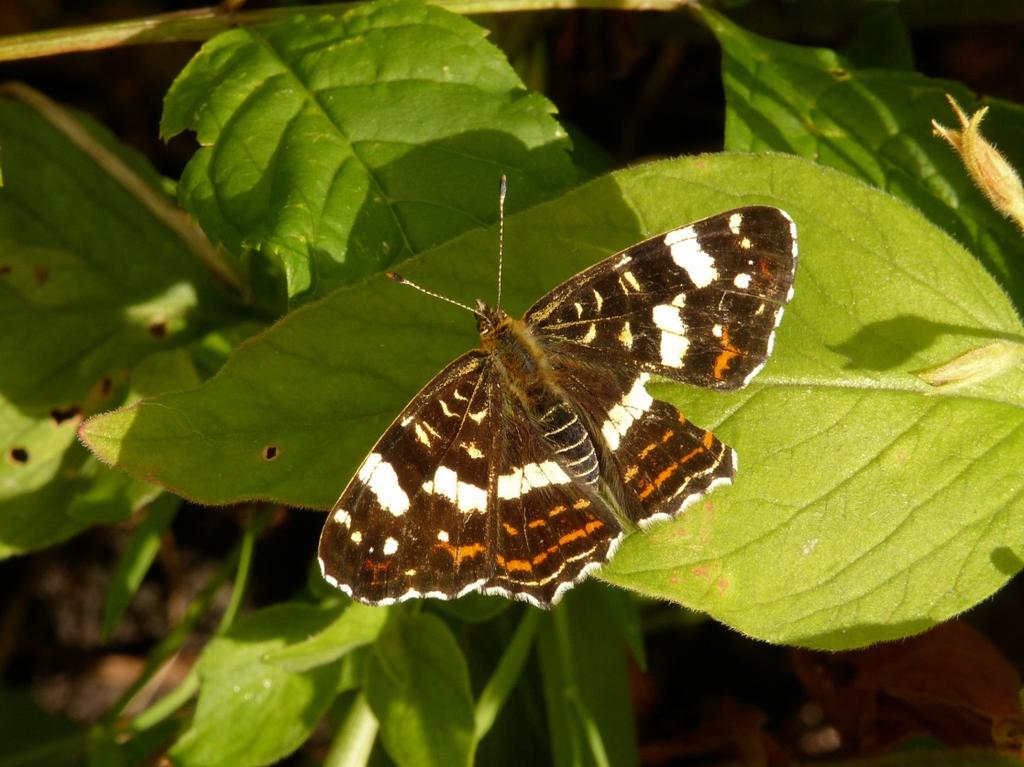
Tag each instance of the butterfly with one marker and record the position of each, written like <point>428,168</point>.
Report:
<point>521,466</point>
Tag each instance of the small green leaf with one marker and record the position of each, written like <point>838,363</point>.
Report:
<point>343,144</point>
<point>418,686</point>
<point>251,712</point>
<point>874,124</point>
<point>356,626</point>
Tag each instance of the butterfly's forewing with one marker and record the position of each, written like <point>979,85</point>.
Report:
<point>413,521</point>
<point>698,304</point>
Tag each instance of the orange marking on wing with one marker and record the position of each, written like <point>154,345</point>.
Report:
<point>682,418</point>
<point>509,529</point>
<point>668,472</point>
<point>647,450</point>
<point>556,511</point>
<point>723,360</point>
<point>666,436</point>
<point>582,503</point>
<point>630,473</point>
<point>458,553</point>
<point>596,524</point>
<point>518,564</point>
<point>536,523</point>
<point>708,440</point>
<point>696,451</point>
<point>540,558</point>
<point>570,537</point>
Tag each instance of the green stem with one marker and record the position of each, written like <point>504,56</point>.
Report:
<point>173,642</point>
<point>506,674</point>
<point>203,23</point>
<point>238,561</point>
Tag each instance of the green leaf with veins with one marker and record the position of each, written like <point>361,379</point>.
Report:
<point>91,282</point>
<point>874,124</point>
<point>866,506</point>
<point>250,711</point>
<point>343,144</point>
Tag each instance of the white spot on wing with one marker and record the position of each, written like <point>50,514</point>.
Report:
<point>479,415</point>
<point>591,334</point>
<point>421,435</point>
<point>532,475</point>
<point>598,300</point>
<point>734,222</point>
<point>674,342</point>
<point>716,331</point>
<point>466,497</point>
<point>634,404</point>
<point>626,335</point>
<point>689,256</point>
<point>442,535</point>
<point>741,281</point>
<point>472,450</point>
<point>342,517</point>
<point>356,537</point>
<point>378,475</point>
<point>631,279</point>
<point>390,547</point>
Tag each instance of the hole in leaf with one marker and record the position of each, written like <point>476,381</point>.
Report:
<point>42,274</point>
<point>19,455</point>
<point>158,329</point>
<point>270,452</point>
<point>60,415</point>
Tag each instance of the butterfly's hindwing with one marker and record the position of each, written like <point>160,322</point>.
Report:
<point>655,461</point>
<point>552,527</point>
<point>414,520</point>
<point>698,304</point>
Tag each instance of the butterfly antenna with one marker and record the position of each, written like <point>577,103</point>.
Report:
<point>394,277</point>
<point>502,191</point>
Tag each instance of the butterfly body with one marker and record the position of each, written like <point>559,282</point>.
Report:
<point>521,466</point>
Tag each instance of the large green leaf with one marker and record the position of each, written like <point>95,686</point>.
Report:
<point>341,145</point>
<point>874,124</point>
<point>868,505</point>
<point>418,686</point>
<point>251,711</point>
<point>91,282</point>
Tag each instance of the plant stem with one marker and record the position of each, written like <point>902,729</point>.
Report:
<point>203,23</point>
